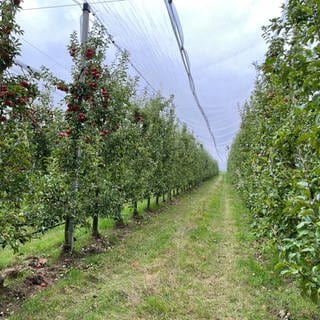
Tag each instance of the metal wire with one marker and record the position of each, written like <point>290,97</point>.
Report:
<point>45,54</point>
<point>123,51</point>
<point>70,5</point>
<point>177,30</point>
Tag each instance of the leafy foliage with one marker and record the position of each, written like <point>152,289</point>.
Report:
<point>275,158</point>
<point>9,42</point>
<point>17,123</point>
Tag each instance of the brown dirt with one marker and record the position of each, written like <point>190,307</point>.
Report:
<point>35,275</point>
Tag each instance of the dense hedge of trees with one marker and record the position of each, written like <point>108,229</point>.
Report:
<point>108,149</point>
<point>275,158</point>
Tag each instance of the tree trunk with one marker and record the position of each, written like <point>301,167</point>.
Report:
<point>69,223</point>
<point>157,200</point>
<point>1,282</point>
<point>95,218</point>
<point>169,195</point>
<point>148,203</point>
<point>68,235</point>
<point>135,209</point>
<point>163,197</point>
<point>95,226</point>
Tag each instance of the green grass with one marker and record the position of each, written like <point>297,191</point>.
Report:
<point>195,260</point>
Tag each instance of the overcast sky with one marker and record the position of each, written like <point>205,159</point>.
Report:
<point>222,37</point>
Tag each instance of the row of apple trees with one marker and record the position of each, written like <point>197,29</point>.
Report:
<point>108,149</point>
<point>275,158</point>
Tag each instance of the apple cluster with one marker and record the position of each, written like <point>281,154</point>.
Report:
<point>87,99</point>
<point>15,98</point>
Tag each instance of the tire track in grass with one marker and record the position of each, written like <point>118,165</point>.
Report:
<point>198,278</point>
<point>229,299</point>
<point>198,273</point>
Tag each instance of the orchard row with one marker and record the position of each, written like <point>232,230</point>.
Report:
<point>108,149</point>
<point>275,159</point>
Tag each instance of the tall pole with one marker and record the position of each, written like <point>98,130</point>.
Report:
<point>69,227</point>
<point>85,22</point>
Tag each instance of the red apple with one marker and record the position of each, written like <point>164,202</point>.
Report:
<point>24,99</point>
<point>17,2</point>
<point>24,84</point>
<point>8,103</point>
<point>89,53</point>
<point>73,52</point>
<point>82,117</point>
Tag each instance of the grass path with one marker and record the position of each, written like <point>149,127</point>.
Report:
<point>193,261</point>
<point>230,300</point>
